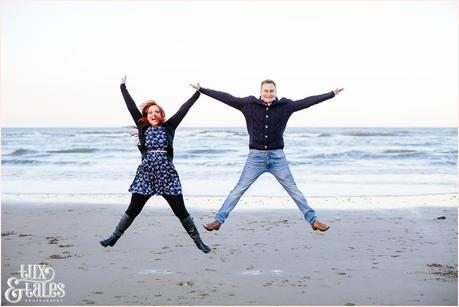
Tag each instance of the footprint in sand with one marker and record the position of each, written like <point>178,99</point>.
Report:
<point>67,245</point>
<point>268,284</point>
<point>234,251</point>
<point>8,233</point>
<point>119,296</point>
<point>444,272</point>
<point>57,256</point>
<point>185,284</point>
<point>212,270</point>
<point>88,302</point>
<point>52,240</point>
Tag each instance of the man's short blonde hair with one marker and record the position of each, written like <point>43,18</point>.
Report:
<point>267,81</point>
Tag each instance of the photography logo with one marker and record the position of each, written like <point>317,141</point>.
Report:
<point>35,285</point>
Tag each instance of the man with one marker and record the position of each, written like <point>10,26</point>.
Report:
<point>266,118</point>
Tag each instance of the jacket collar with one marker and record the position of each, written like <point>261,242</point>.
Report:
<point>275,102</point>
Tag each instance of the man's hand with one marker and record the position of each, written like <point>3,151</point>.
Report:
<point>123,80</point>
<point>338,90</point>
<point>196,86</point>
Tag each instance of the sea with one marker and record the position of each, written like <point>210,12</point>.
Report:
<point>101,162</point>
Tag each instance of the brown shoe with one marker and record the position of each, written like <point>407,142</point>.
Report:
<point>215,225</point>
<point>318,225</point>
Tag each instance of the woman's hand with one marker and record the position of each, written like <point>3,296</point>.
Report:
<point>196,86</point>
<point>338,90</point>
<point>123,80</point>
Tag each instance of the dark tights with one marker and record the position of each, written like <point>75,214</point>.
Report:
<point>175,202</point>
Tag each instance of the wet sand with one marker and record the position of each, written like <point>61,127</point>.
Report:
<point>373,256</point>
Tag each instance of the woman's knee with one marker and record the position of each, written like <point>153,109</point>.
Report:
<point>138,201</point>
<point>177,205</point>
<point>132,212</point>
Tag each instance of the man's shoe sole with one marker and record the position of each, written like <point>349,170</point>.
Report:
<point>315,229</point>
<point>210,229</point>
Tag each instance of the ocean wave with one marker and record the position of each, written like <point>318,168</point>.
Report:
<point>399,151</point>
<point>74,150</point>
<point>22,162</point>
<point>304,135</point>
<point>98,132</point>
<point>36,162</point>
<point>71,163</point>
<point>33,134</point>
<point>218,134</point>
<point>418,144</point>
<point>120,136</point>
<point>358,133</point>
<point>451,152</point>
<point>445,162</point>
<point>28,152</point>
<point>206,151</point>
<point>222,164</point>
<point>296,162</point>
<point>22,152</point>
<point>387,154</point>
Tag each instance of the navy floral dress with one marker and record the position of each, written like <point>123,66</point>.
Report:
<point>156,175</point>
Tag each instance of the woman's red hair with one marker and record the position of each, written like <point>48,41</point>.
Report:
<point>145,108</point>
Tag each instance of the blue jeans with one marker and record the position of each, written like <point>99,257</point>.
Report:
<point>259,162</point>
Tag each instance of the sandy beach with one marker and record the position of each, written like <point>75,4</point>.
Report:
<point>379,251</point>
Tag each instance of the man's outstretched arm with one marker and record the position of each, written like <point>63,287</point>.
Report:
<point>226,98</point>
<point>312,100</point>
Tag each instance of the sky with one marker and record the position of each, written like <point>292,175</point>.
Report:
<point>61,62</point>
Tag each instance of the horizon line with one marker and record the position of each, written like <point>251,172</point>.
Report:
<point>200,127</point>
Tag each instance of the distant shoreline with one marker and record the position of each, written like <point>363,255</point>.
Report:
<point>246,203</point>
<point>239,127</point>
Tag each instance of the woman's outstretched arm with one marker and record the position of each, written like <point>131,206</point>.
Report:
<point>130,103</point>
<point>175,120</point>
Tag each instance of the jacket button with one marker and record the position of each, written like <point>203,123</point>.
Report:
<point>267,116</point>
<point>266,146</point>
<point>266,127</point>
<point>266,136</point>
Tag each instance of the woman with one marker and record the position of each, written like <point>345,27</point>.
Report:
<point>156,175</point>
